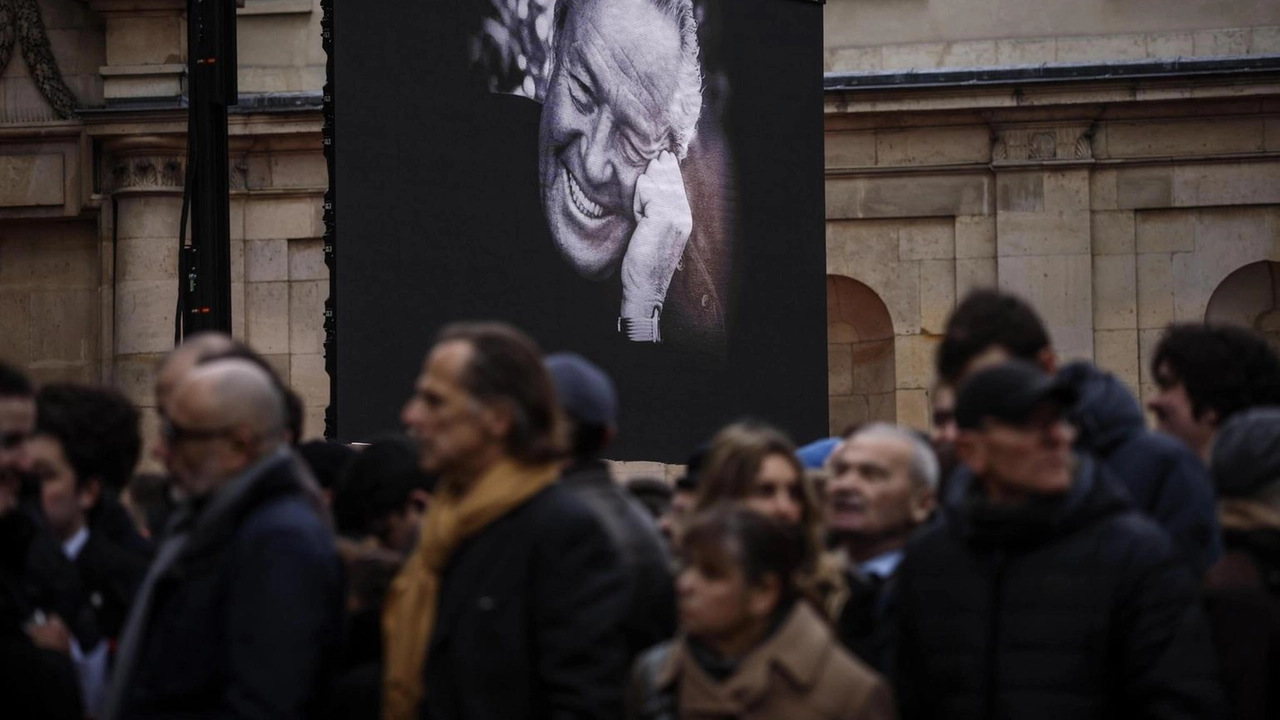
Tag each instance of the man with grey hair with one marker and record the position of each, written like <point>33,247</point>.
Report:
<point>882,486</point>
<point>621,110</point>
<point>242,608</point>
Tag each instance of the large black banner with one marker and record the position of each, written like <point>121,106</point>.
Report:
<point>639,181</point>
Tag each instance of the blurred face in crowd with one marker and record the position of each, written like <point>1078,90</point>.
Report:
<point>1175,416</point>
<point>778,493</point>
<point>64,504</point>
<point>400,532</point>
<point>1030,458</point>
<point>871,492</point>
<point>716,602</point>
<point>457,435</point>
<point>944,416</point>
<point>603,121</point>
<point>17,421</point>
<point>678,512</point>
<point>204,449</point>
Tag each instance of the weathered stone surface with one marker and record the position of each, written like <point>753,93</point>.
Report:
<point>1184,137</point>
<point>1113,232</point>
<point>927,240</point>
<point>1026,52</point>
<point>914,360</point>
<point>975,274</point>
<point>308,378</point>
<point>30,257</point>
<point>933,146</point>
<point>146,259</point>
<point>1060,287</point>
<point>1102,190</point>
<point>1165,231</point>
<point>1110,47</point>
<point>31,180</point>
<point>1115,301</point>
<point>146,39</point>
<point>1221,43</point>
<point>925,196</point>
<point>1045,233</point>
<point>144,316</point>
<point>1155,290</point>
<point>845,410</point>
<point>149,216</point>
<point>850,149</point>
<point>1170,45</point>
<point>1066,190</point>
<point>266,260</point>
<point>874,370</point>
<point>306,260</point>
<point>1020,191</point>
<point>267,316</point>
<point>1243,183</point>
<point>15,326</point>
<point>839,369</point>
<point>1144,187</point>
<point>913,409</point>
<point>1117,351</point>
<point>975,237</point>
<point>283,218</point>
<point>306,315</point>
<point>937,294</point>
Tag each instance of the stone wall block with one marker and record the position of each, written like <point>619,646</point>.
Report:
<point>306,260</point>
<point>237,261</point>
<point>919,55</point>
<point>146,40</point>
<point>1189,137</point>
<point>1026,52</point>
<point>859,247</point>
<point>853,59</point>
<point>1165,231</point>
<point>927,240</point>
<point>135,377</point>
<point>266,40</point>
<point>266,260</point>
<point>267,317</point>
<point>937,294</point>
<point>975,274</point>
<point>873,367</point>
<point>1106,47</point>
<point>1221,43</point>
<point>933,146</point>
<point>1102,190</point>
<point>238,302</point>
<point>308,378</point>
<point>1060,288</point>
<point>1264,40</point>
<point>1155,290</point>
<point>1066,190</point>
<point>144,316</point>
<point>29,259</point>
<point>1020,192</point>
<point>150,216</point>
<point>914,360</point>
<point>1144,187</point>
<point>898,197</point>
<point>1115,300</point>
<point>1147,341</point>
<point>306,315</point>
<point>979,53</point>
<point>1064,232</point>
<point>882,407</point>
<point>839,369</point>
<point>146,259</point>
<point>1113,232</point>
<point>845,410</point>
<point>1170,45</point>
<point>15,326</point>
<point>1244,183</point>
<point>975,237</point>
<point>1117,351</point>
<point>283,218</point>
<point>1271,140</point>
<point>237,217</point>
<point>913,409</point>
<point>850,149</point>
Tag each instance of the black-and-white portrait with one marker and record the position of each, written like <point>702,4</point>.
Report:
<point>634,180</point>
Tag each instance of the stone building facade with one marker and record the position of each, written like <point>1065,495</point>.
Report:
<point>90,201</point>
<point>1117,162</point>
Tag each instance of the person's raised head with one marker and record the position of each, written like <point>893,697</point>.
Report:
<point>626,87</point>
<point>86,439</point>
<point>293,405</point>
<point>987,328</point>
<point>882,485</point>
<point>1014,435</point>
<point>756,464</point>
<point>1207,373</point>
<point>224,417</point>
<point>183,358</point>
<point>739,571</point>
<point>483,397</point>
<point>17,421</point>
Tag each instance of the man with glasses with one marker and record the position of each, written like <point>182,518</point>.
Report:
<point>242,609</point>
<point>1043,593</point>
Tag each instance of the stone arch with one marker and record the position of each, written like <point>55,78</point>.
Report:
<point>1249,297</point>
<point>861,375</point>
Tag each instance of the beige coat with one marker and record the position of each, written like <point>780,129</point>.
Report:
<point>800,673</point>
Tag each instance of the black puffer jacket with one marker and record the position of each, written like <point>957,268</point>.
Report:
<point>1068,607</point>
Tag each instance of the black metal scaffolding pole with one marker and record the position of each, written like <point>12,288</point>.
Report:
<point>211,88</point>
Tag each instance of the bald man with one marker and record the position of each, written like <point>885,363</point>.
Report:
<point>242,609</point>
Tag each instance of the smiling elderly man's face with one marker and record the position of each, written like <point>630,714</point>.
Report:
<point>605,118</point>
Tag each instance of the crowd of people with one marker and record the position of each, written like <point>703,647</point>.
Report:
<point>1041,553</point>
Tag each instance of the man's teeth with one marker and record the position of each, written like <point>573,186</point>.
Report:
<point>580,200</point>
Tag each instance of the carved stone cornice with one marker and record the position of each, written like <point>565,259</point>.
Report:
<point>1042,143</point>
<point>157,163</point>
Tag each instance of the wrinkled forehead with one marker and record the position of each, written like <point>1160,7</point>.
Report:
<point>17,414</point>
<point>629,49</point>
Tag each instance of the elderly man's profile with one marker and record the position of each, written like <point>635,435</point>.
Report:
<point>632,192</point>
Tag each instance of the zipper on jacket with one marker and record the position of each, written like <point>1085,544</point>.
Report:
<point>991,670</point>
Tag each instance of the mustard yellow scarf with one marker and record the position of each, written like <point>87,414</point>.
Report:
<point>410,611</point>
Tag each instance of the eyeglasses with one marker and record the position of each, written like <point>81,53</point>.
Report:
<point>13,440</point>
<point>174,433</point>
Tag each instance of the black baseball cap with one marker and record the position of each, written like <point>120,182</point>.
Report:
<point>1009,393</point>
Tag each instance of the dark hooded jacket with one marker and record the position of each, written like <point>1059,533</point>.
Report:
<point>1243,589</point>
<point>1071,606</point>
<point>1163,478</point>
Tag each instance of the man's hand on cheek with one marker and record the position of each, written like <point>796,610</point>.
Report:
<point>663,224</point>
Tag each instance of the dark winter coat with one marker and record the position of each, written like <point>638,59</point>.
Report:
<point>1069,607</point>
<point>246,621</point>
<point>1162,476</point>
<point>530,619</point>
<point>651,611</point>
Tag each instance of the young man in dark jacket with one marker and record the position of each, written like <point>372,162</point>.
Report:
<point>240,615</point>
<point>590,404</point>
<point>1042,594</point>
<point>1162,478</point>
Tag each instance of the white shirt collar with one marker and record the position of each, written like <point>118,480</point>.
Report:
<point>882,565</point>
<point>72,547</point>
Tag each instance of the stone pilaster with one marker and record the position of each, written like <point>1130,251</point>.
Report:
<point>146,49</point>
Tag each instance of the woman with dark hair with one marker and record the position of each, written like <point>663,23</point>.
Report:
<point>751,647</point>
<point>756,464</point>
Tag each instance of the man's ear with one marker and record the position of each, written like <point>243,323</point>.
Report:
<point>1047,359</point>
<point>89,492</point>
<point>923,501</point>
<point>497,418</point>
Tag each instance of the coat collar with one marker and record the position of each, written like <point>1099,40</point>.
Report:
<point>798,650</point>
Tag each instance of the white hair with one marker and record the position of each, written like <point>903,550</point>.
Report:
<point>924,463</point>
